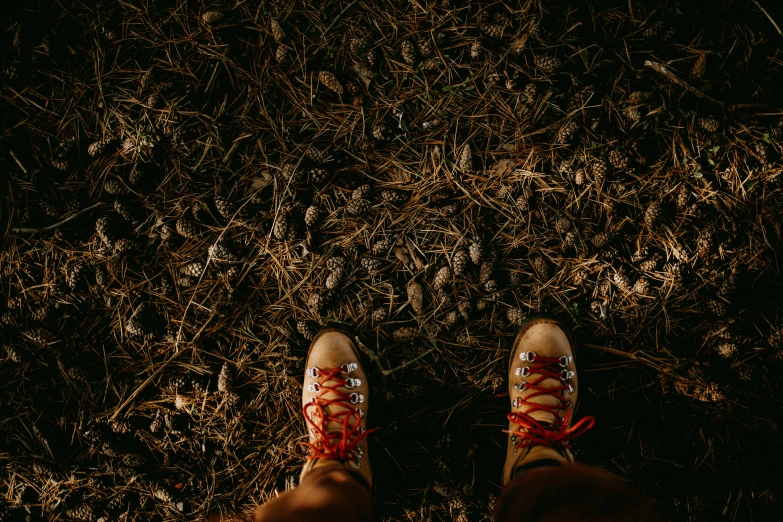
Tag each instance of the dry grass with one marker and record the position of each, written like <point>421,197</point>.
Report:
<point>112,352</point>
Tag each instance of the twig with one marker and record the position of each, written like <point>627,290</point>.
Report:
<point>766,13</point>
<point>18,161</point>
<point>377,360</point>
<point>665,71</point>
<point>22,230</point>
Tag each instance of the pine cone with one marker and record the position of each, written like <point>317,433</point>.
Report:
<point>459,262</point>
<point>638,97</point>
<point>619,160</point>
<point>442,278</point>
<point>283,226</point>
<point>653,214</point>
<point>415,296</point>
<point>318,175</point>
<point>212,17</point>
<point>493,30</point>
<point>475,49</point>
<point>225,206</point>
<point>491,286</point>
<point>278,35</point>
<point>567,131</point>
<point>516,316</point>
<point>717,307</point>
<point>77,276</point>
<point>194,269</point>
<point>599,170</point>
<point>476,252</point>
<point>485,272</point>
<point>330,81</point>
<point>334,279</point>
<point>379,315</point>
<point>408,52</point>
<point>622,280</point>
<point>281,53</point>
<point>562,225</point>
<point>371,264</point>
<point>311,216</point>
<point>291,173</point>
<point>709,123</point>
<point>465,161</point>
<point>705,244</point>
<point>641,286</point>
<point>601,239</point>
<point>357,45</point>
<point>548,64</point>
<point>393,196</point>
<point>426,47</point>
<point>541,267</point>
<point>124,210</point>
<point>106,231</point>
<point>220,253</point>
<point>405,334</point>
<point>336,263</point>
<point>382,247</point>
<point>98,147</point>
<point>81,512</point>
<point>306,328</point>
<point>126,245</point>
<point>451,319</point>
<point>381,132</point>
<point>140,323</point>
<point>700,67</point>
<point>653,30</point>
<point>187,228</point>
<point>358,207</point>
<point>683,195</point>
<point>225,382</point>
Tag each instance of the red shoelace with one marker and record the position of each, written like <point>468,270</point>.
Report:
<point>532,432</point>
<point>333,444</point>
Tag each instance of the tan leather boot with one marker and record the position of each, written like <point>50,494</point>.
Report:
<point>335,400</point>
<point>543,389</point>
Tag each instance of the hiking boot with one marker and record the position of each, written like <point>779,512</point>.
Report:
<point>543,389</point>
<point>335,401</point>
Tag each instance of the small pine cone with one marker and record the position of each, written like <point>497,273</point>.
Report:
<point>442,278</point>
<point>306,328</point>
<point>567,131</point>
<point>619,160</point>
<point>485,272</point>
<point>491,286</point>
<point>164,495</point>
<point>281,53</point>
<point>371,57</point>
<point>311,216</point>
<point>541,267</point>
<point>357,45</point>
<point>165,285</point>
<point>225,206</point>
<point>48,209</point>
<point>642,286</point>
<point>212,17</point>
<point>316,303</point>
<point>717,307</point>
<point>601,239</point>
<point>363,192</point>
<point>599,170</point>
<point>638,97</point>
<point>220,253</point>
<point>225,380</point>
<point>379,315</point>
<point>622,280</point>
<point>330,81</point>
<point>405,334</point>
<point>653,214</point>
<point>651,264</point>
<point>451,319</point>
<point>60,164</point>
<point>393,196</point>
<point>77,276</point>
<point>291,173</point>
<point>15,354</point>
<point>187,227</point>
<point>633,114</point>
<point>81,512</point>
<point>476,252</point>
<point>140,323</point>
<point>101,276</point>
<point>194,269</point>
<point>126,245</point>
<point>709,123</point>
<point>426,47</point>
<point>358,207</point>
<point>99,147</point>
<point>683,195</point>
<point>381,132</point>
<point>106,231</point>
<point>548,64</point>
<point>318,175</point>
<point>475,50</point>
<point>465,306</point>
<point>278,35</point>
<point>283,226</point>
<point>415,296</point>
<point>727,350</point>
<point>493,30</point>
<point>114,187</point>
<point>562,225</point>
<point>337,263</point>
<point>371,264</point>
<point>569,239</point>
<point>700,67</point>
<point>124,210</point>
<point>653,30</point>
<point>382,247</point>
<point>408,52</point>
<point>334,279</point>
<point>705,244</point>
<point>516,316</point>
<point>465,160</point>
<point>459,262</point>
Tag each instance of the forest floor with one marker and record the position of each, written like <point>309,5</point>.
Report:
<point>191,189</point>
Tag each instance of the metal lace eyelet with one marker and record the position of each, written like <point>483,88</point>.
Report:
<point>352,383</point>
<point>313,388</point>
<point>565,360</point>
<point>313,372</point>
<point>312,432</point>
<point>516,403</point>
<point>361,414</point>
<point>566,374</point>
<point>520,386</point>
<point>361,430</point>
<point>523,371</point>
<point>570,388</point>
<point>357,398</point>
<point>527,356</point>
<point>349,367</point>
